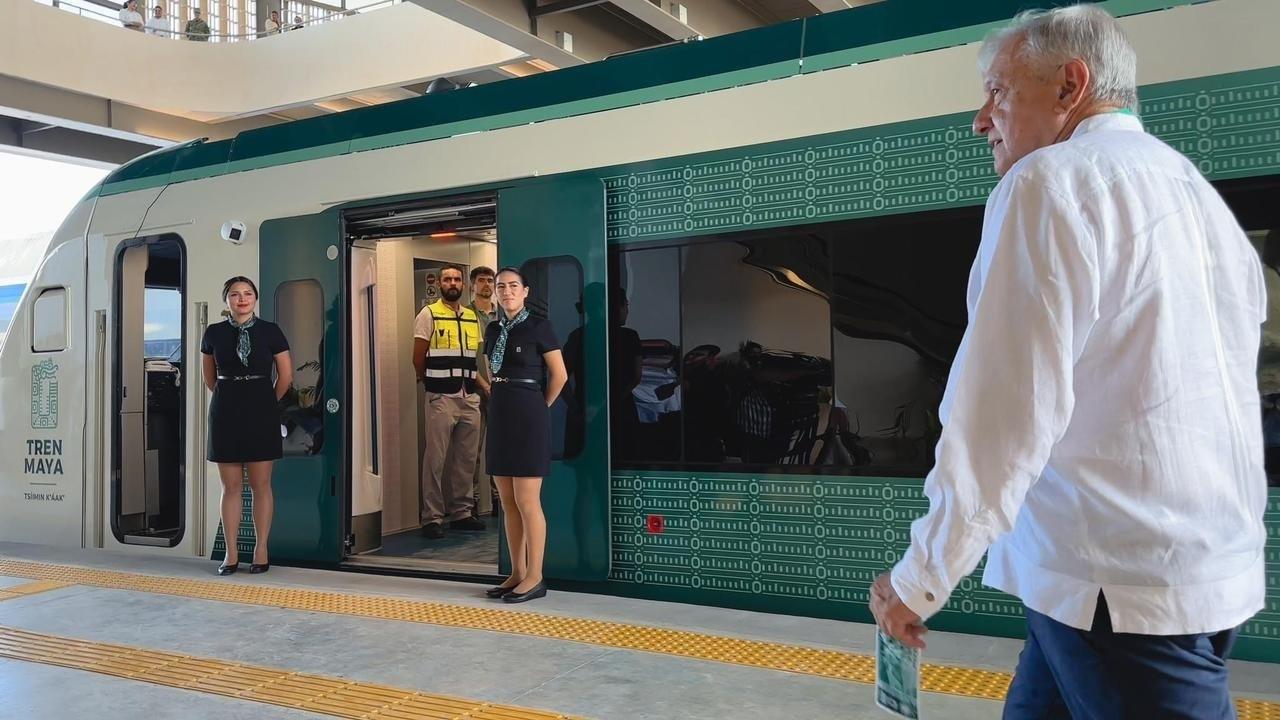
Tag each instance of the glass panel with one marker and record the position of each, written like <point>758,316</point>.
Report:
<point>9,297</point>
<point>556,294</point>
<point>162,324</point>
<point>646,400</point>
<point>371,321</point>
<point>300,315</point>
<point>1253,201</point>
<point>1268,244</point>
<point>49,321</point>
<point>898,314</point>
<point>757,348</point>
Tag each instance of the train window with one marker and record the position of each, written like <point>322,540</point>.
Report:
<point>300,315</point>
<point>9,297</point>
<point>555,293</point>
<point>1252,200</point>
<point>756,348</point>
<point>162,327</point>
<point>645,397</point>
<point>49,321</point>
<point>898,314</point>
<point>1267,243</point>
<point>820,347</point>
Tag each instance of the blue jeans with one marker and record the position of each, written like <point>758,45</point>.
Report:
<point>1097,674</point>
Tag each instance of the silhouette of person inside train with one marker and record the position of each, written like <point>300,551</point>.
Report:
<point>625,355</point>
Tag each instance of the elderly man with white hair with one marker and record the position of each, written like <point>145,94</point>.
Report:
<point>1101,440</point>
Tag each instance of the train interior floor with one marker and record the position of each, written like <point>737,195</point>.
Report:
<point>480,548</point>
<point>104,635</point>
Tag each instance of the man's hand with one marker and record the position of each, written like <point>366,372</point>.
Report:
<point>895,618</point>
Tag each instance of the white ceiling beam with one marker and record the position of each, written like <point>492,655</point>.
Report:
<point>656,18</point>
<point>518,38</point>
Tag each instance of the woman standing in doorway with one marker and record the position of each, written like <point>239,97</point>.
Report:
<point>521,349</point>
<point>244,416</point>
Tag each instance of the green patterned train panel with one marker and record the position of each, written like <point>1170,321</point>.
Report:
<point>781,538</point>
<point>245,537</point>
<point>1229,125</point>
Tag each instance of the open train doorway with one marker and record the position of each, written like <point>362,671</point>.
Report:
<point>148,474</point>
<point>412,441</point>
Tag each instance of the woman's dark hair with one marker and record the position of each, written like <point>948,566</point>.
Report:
<point>515,271</point>
<point>226,287</point>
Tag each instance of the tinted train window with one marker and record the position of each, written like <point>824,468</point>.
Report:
<point>1253,202</point>
<point>9,297</point>
<point>300,315</point>
<point>646,400</point>
<point>555,293</point>
<point>821,347</point>
<point>898,314</point>
<point>757,339</point>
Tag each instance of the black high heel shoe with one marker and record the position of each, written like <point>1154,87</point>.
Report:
<point>498,591</point>
<point>256,569</point>
<point>228,569</point>
<point>533,593</point>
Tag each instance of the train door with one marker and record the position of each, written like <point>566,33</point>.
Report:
<point>398,254</point>
<point>300,290</point>
<point>555,231</point>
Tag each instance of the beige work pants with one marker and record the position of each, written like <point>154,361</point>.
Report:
<point>449,461</point>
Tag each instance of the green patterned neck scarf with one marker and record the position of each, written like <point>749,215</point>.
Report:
<point>500,347</point>
<point>243,347</point>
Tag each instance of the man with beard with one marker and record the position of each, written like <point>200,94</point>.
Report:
<point>446,336</point>
<point>482,303</point>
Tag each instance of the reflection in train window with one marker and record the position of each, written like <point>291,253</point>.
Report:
<point>1252,200</point>
<point>300,315</point>
<point>817,347</point>
<point>1268,244</point>
<point>555,293</point>
<point>898,314</point>
<point>646,401</point>
<point>757,339</point>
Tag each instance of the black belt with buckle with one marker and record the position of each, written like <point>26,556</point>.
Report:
<point>526,381</point>
<point>242,377</point>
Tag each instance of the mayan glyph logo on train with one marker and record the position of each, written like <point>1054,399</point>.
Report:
<point>44,395</point>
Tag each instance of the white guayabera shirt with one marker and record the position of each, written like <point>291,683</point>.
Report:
<point>1102,420</point>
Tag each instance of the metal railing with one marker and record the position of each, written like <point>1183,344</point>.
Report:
<point>305,14</point>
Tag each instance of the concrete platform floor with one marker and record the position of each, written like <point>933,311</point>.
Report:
<point>534,672</point>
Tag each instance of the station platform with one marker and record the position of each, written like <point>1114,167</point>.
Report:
<point>103,635</point>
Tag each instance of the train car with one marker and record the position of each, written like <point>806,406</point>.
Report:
<point>755,249</point>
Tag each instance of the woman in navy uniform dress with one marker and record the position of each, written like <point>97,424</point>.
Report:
<point>244,416</point>
<point>526,372</point>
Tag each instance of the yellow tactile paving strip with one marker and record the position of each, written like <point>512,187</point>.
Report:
<point>30,588</point>
<point>314,693</point>
<point>952,680</point>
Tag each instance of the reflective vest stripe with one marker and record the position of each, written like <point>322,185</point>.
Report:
<point>450,373</point>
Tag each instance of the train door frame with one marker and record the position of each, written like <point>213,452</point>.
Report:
<point>541,219</point>
<point>363,225</point>
<point>119,390</point>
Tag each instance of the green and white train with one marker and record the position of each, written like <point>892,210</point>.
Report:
<point>783,218</point>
